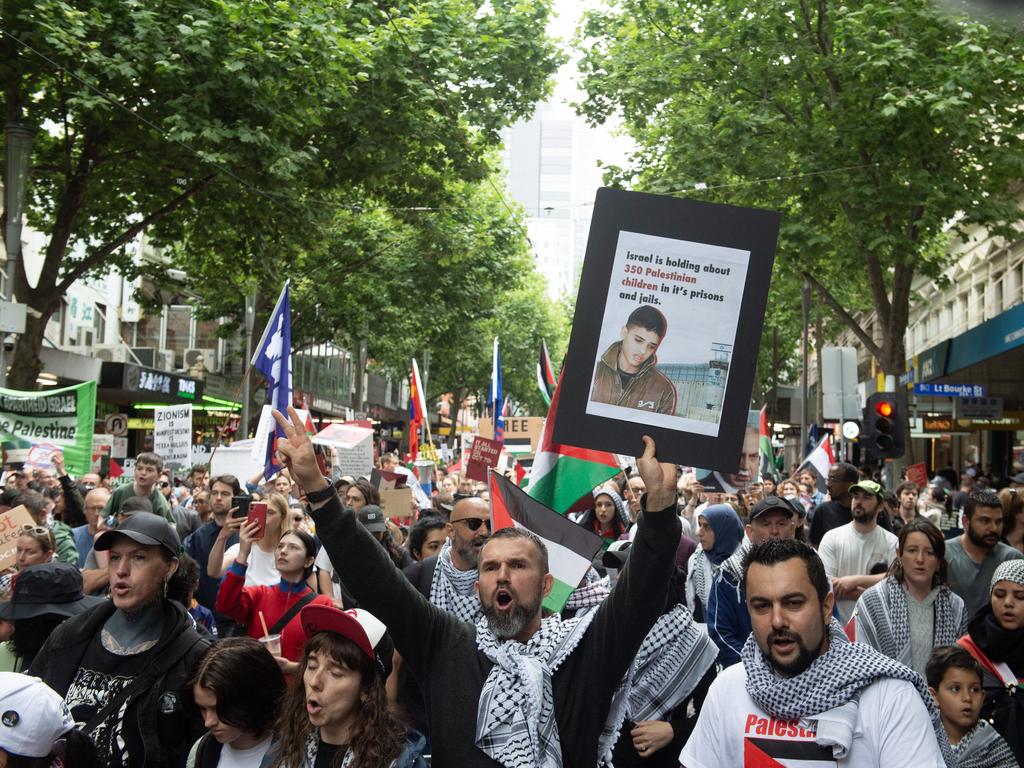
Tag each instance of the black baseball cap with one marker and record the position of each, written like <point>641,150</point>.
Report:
<point>47,588</point>
<point>144,528</point>
<point>372,518</point>
<point>772,504</point>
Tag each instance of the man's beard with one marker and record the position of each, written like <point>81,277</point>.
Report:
<point>470,553</point>
<point>805,656</point>
<point>508,626</point>
<point>979,541</point>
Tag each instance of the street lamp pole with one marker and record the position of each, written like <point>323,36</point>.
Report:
<point>805,299</point>
<point>18,140</point>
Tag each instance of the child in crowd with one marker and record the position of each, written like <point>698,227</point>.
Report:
<point>954,679</point>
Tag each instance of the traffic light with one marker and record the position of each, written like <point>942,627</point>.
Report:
<point>885,425</point>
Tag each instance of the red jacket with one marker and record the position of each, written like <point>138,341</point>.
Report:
<point>243,604</point>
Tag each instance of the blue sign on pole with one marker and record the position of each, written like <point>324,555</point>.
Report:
<point>950,390</point>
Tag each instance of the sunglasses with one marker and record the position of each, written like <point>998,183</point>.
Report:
<point>164,484</point>
<point>473,523</point>
<point>42,531</point>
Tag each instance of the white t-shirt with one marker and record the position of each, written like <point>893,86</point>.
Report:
<point>893,731</point>
<point>844,551</point>
<point>262,570</point>
<point>243,758</point>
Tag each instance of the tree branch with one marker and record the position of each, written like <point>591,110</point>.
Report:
<point>846,317</point>
<point>95,258</point>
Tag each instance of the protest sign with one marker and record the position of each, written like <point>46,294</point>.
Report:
<point>667,327</point>
<point>172,435</point>
<point>483,454</point>
<point>62,417</point>
<point>918,473</point>
<point>396,502</point>
<point>522,433</point>
<point>11,524</point>
<point>40,456</point>
<point>353,447</point>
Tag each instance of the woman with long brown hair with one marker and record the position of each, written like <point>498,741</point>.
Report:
<point>337,713</point>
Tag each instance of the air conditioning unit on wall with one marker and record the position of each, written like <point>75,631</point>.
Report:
<point>112,353</point>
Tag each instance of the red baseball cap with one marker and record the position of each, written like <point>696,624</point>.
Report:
<point>361,627</point>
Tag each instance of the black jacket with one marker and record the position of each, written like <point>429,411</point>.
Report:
<point>167,720</point>
<point>441,651</point>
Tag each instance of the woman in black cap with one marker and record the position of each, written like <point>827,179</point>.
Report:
<point>44,595</point>
<point>122,664</point>
<point>338,716</point>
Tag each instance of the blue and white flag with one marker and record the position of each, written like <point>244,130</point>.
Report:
<point>273,359</point>
<point>497,399</point>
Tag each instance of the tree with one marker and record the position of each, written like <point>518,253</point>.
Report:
<point>188,119</point>
<point>875,127</point>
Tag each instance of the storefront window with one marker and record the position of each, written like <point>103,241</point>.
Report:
<point>179,333</point>
<point>147,331</point>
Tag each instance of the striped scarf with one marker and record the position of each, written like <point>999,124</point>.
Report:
<point>453,590</point>
<point>828,689</point>
<point>590,594</point>
<point>983,747</point>
<point>515,722</point>
<point>885,606</point>
<point>672,660</point>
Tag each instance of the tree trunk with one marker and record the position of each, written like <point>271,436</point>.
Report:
<point>25,362</point>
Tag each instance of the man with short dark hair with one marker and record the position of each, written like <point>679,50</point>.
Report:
<point>836,511</point>
<point>907,494</point>
<point>148,466</point>
<point>200,544</point>
<point>727,618</point>
<point>804,693</point>
<point>974,555</point>
<point>857,555</point>
<point>627,373</point>
<point>516,688</point>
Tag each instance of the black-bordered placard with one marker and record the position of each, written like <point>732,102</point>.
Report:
<point>667,326</point>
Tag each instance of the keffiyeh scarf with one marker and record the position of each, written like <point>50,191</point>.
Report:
<point>672,660</point>
<point>515,722</point>
<point>983,747</point>
<point>590,594</point>
<point>453,590</point>
<point>827,691</point>
<point>885,607</point>
<point>733,565</point>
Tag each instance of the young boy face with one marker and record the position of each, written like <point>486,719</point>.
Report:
<point>638,344</point>
<point>146,474</point>
<point>959,697</point>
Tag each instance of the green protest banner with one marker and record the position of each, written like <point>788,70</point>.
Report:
<point>61,417</point>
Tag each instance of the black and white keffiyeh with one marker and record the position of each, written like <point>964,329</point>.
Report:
<point>827,691</point>
<point>882,611</point>
<point>983,747</point>
<point>733,565</point>
<point>672,660</point>
<point>515,722</point>
<point>591,594</point>
<point>453,590</point>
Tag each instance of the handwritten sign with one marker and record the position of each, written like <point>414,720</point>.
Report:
<point>482,455</point>
<point>172,434</point>
<point>12,522</point>
<point>396,502</point>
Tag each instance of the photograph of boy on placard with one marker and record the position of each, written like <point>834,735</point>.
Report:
<point>668,332</point>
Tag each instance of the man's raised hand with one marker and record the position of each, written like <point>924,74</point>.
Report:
<point>296,452</point>
<point>659,478</point>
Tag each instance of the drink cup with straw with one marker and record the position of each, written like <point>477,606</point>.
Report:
<point>271,642</point>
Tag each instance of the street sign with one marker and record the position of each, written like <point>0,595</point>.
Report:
<point>116,424</point>
<point>839,383</point>
<point>937,424</point>
<point>979,408</point>
<point>950,390</point>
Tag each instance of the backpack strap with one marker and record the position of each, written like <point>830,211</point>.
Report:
<point>292,612</point>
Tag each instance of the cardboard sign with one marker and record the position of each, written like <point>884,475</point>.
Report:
<point>918,473</point>
<point>172,435</point>
<point>11,524</point>
<point>521,432</point>
<point>667,328</point>
<point>483,454</point>
<point>396,502</point>
<point>353,447</point>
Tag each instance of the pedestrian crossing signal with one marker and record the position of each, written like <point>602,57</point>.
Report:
<point>885,426</point>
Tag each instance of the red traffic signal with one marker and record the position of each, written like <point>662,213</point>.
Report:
<point>884,408</point>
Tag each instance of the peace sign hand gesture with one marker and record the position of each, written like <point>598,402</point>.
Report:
<point>295,450</point>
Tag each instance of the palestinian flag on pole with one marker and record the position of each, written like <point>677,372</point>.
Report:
<point>545,374</point>
<point>767,468</point>
<point>562,475</point>
<point>819,461</point>
<point>571,547</point>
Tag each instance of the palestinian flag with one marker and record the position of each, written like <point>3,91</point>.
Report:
<point>563,475</point>
<point>819,461</point>
<point>545,374</point>
<point>571,547</point>
<point>767,468</point>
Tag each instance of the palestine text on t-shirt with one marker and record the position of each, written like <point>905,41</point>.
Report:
<point>102,676</point>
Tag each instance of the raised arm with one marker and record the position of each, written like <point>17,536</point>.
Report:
<point>641,592</point>
<point>418,628</point>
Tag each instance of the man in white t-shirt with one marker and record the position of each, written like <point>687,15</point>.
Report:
<point>857,555</point>
<point>804,695</point>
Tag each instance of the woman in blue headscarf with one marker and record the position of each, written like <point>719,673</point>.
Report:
<point>719,531</point>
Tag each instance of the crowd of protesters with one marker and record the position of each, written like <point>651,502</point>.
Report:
<point>154,622</point>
